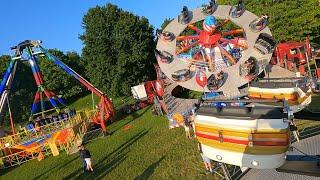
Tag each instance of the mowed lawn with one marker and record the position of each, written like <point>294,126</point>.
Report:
<point>146,150</point>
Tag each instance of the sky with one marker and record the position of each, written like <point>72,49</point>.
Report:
<point>58,22</point>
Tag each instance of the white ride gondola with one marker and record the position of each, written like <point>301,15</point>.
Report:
<point>255,137</point>
<point>182,75</point>
<point>186,16</point>
<point>237,11</point>
<point>164,35</point>
<point>294,90</point>
<point>265,44</point>
<point>210,8</point>
<point>163,56</point>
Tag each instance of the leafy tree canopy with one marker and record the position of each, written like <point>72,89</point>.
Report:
<point>58,80</point>
<point>118,49</point>
<point>289,19</point>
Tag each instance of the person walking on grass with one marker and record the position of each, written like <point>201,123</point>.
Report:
<point>186,125</point>
<point>206,160</point>
<point>192,122</point>
<point>86,159</point>
<point>82,157</point>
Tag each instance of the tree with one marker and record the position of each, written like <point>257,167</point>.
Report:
<point>118,49</point>
<point>58,80</point>
<point>289,20</point>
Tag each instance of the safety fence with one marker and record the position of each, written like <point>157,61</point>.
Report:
<point>75,127</point>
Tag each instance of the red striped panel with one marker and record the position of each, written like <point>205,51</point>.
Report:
<point>244,142</point>
<point>224,139</point>
<point>270,143</point>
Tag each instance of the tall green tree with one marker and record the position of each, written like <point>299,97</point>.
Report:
<point>118,49</point>
<point>289,20</point>
<point>58,80</point>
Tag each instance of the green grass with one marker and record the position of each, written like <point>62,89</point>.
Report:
<point>87,103</point>
<point>315,103</point>
<point>189,94</point>
<point>147,149</point>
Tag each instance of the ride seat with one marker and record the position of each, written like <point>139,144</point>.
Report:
<point>265,112</point>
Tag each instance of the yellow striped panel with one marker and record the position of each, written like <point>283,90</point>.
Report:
<point>300,100</point>
<point>290,96</point>
<point>236,132</point>
<point>257,136</point>
<point>255,150</point>
<point>274,137</point>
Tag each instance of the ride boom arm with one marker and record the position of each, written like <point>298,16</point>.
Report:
<point>106,110</point>
<point>6,82</point>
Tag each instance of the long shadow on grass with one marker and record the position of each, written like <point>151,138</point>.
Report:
<point>120,116</point>
<point>4,171</point>
<point>134,115</point>
<point>109,162</point>
<point>55,169</point>
<point>7,170</point>
<point>150,170</point>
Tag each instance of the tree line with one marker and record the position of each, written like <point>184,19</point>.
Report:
<point>289,19</point>
<point>118,53</point>
<point>118,50</point>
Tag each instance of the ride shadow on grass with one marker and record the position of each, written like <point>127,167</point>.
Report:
<point>133,117</point>
<point>150,170</point>
<point>109,162</point>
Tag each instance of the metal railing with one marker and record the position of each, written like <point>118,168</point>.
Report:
<point>77,124</point>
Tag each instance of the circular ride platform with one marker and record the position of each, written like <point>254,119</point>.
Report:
<point>232,78</point>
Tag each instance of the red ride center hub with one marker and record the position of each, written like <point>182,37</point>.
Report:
<point>207,39</point>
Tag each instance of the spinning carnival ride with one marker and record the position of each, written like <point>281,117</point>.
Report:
<point>253,133</point>
<point>59,129</point>
<point>32,49</point>
<point>221,54</point>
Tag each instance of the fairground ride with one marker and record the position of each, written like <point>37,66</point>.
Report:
<point>51,127</point>
<point>256,132</point>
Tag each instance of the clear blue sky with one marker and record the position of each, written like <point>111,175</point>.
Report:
<point>58,22</point>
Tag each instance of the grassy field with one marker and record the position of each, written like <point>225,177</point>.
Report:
<point>87,103</point>
<point>147,150</point>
